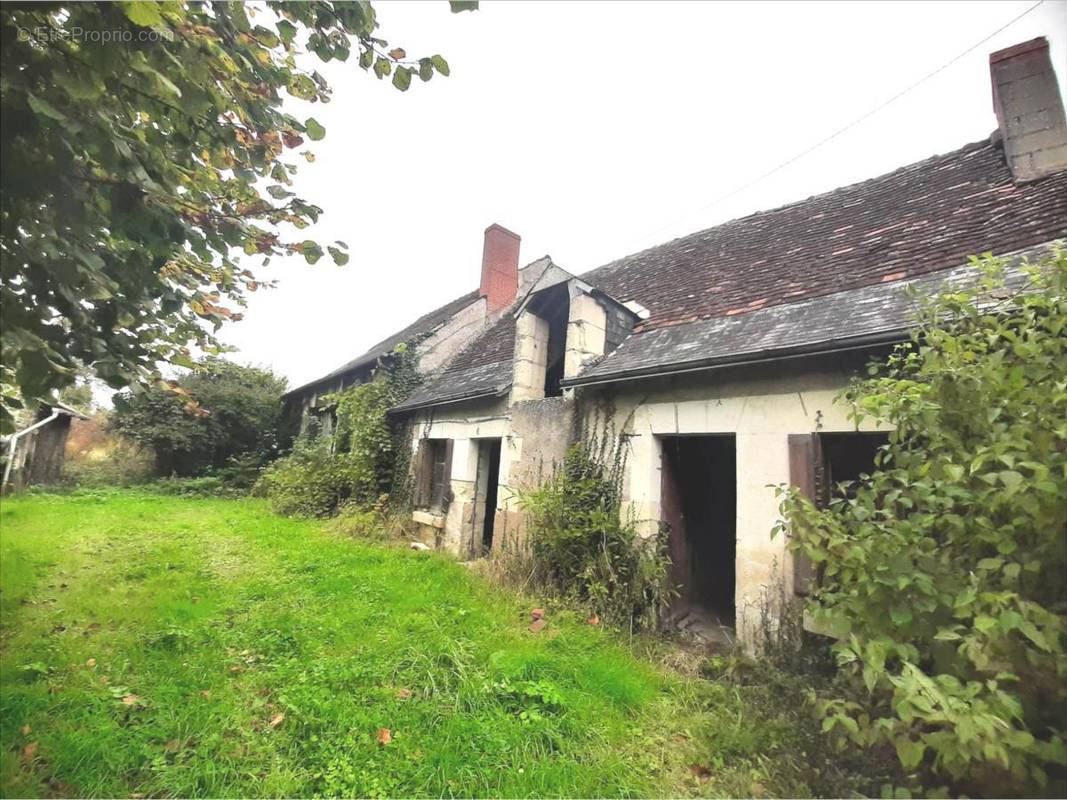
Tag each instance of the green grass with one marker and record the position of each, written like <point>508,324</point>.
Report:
<point>218,617</point>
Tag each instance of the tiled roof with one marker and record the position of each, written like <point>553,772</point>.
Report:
<point>427,323</point>
<point>748,283</point>
<point>453,385</point>
<point>483,368</point>
<point>869,315</point>
<point>924,217</point>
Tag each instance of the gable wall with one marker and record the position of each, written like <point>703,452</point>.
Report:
<point>452,337</point>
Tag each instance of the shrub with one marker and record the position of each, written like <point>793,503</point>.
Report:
<point>217,412</point>
<point>358,463</point>
<point>204,486</point>
<point>311,481</point>
<point>947,569</point>
<point>584,548</point>
<point>378,523</point>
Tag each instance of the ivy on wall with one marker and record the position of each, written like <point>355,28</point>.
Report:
<point>582,543</point>
<point>367,456</point>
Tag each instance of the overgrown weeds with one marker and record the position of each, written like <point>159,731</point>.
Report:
<point>365,456</point>
<point>583,547</point>
<point>947,566</point>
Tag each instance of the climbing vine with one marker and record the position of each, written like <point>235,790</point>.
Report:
<point>359,464</point>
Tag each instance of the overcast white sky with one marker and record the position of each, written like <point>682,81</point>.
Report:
<point>597,129</point>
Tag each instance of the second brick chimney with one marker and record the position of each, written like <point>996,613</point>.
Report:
<point>500,267</point>
<point>1029,110</point>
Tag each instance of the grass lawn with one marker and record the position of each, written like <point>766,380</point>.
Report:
<point>163,646</point>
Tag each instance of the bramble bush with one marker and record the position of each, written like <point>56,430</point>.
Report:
<point>946,571</point>
<point>582,545</point>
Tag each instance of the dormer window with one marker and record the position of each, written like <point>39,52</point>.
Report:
<point>559,331</point>
<point>541,344</point>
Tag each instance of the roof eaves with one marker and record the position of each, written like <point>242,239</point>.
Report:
<point>386,346</point>
<point>888,336</point>
<point>499,391</point>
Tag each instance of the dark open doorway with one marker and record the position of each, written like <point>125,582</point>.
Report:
<point>485,497</point>
<point>699,502</point>
<point>552,305</point>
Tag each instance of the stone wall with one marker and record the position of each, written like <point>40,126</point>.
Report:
<point>760,407</point>
<point>586,333</point>
<point>464,424</point>
<point>531,357</point>
<point>534,436</point>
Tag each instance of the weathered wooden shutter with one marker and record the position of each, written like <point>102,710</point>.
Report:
<point>423,472</point>
<point>806,473</point>
<point>446,476</point>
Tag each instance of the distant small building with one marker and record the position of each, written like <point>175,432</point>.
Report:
<point>34,455</point>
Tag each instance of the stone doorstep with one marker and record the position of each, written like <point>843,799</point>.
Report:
<point>428,518</point>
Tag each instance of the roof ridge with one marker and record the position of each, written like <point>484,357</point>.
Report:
<point>376,350</point>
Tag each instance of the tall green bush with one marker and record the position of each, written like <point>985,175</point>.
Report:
<point>220,411</point>
<point>947,569</point>
<point>585,548</point>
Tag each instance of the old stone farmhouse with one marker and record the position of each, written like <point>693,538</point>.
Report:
<point>716,355</point>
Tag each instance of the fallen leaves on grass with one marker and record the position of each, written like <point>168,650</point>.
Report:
<point>700,772</point>
<point>384,736</point>
<point>91,662</point>
<point>205,693</point>
<point>403,694</point>
<point>25,730</point>
<point>131,700</point>
<point>29,751</point>
<point>276,720</point>
<point>593,619</point>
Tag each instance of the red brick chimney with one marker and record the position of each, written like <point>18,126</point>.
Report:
<point>500,266</point>
<point>1029,110</point>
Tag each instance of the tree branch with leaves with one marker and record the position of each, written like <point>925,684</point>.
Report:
<point>147,154</point>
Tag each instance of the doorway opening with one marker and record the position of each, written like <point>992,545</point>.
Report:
<point>699,502</point>
<point>552,306</point>
<point>486,490</point>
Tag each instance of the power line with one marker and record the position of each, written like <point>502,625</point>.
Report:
<point>851,125</point>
